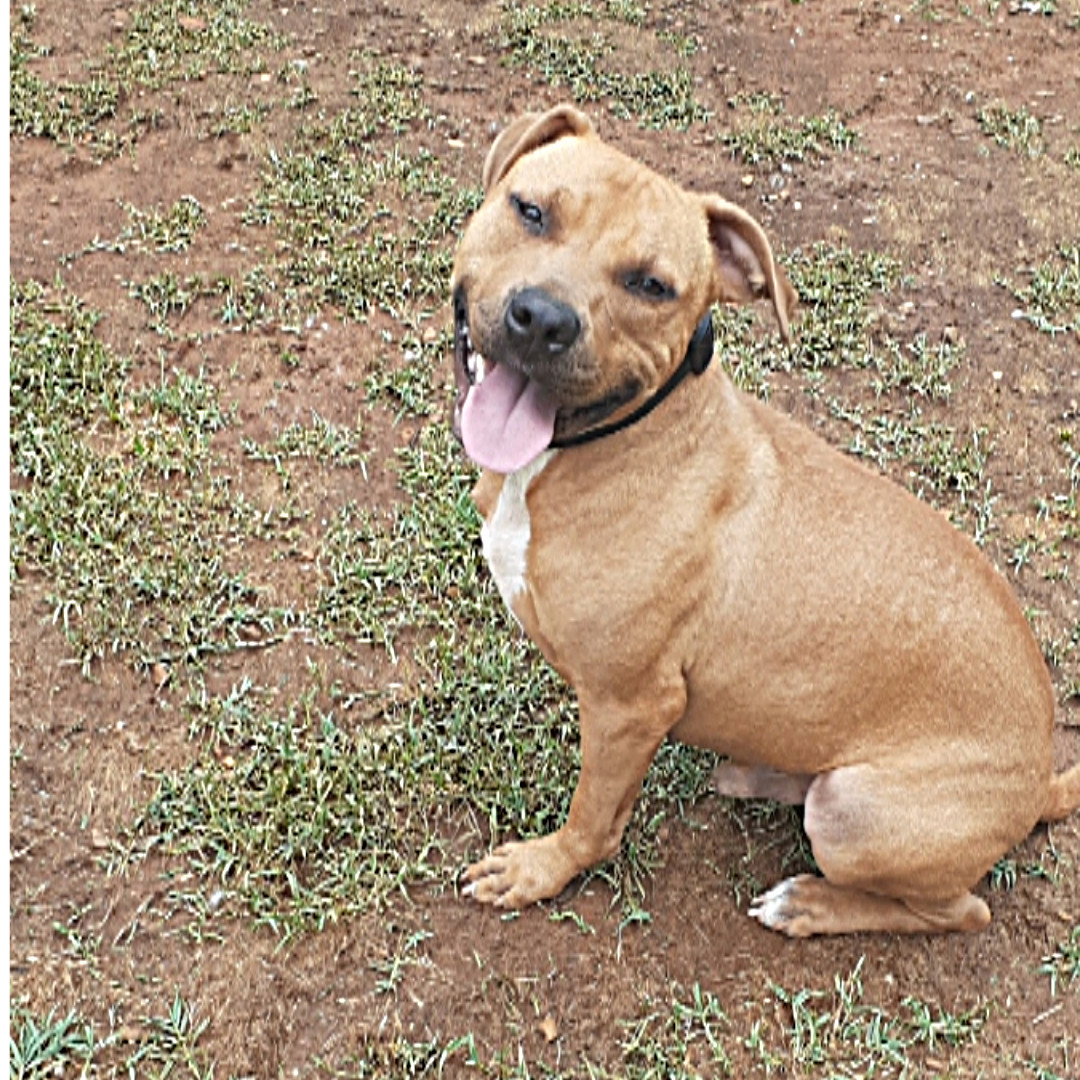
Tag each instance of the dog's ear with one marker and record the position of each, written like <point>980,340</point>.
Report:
<point>745,267</point>
<point>529,132</point>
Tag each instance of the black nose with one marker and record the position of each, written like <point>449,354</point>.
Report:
<point>541,325</point>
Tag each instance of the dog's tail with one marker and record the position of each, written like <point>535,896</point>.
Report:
<point>1064,795</point>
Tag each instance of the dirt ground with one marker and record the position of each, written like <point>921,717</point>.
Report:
<point>927,183</point>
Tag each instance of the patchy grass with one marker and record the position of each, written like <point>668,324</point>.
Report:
<point>675,1035</point>
<point>308,817</point>
<point>166,298</point>
<point>116,500</point>
<point>319,441</point>
<point>162,230</point>
<point>844,303</point>
<point>690,1032</point>
<point>362,228</point>
<point>918,367</point>
<point>836,324</point>
<point>407,384</point>
<point>186,40</point>
<point>42,1048</point>
<point>1050,301</point>
<point>68,112</point>
<point>159,1046</point>
<point>1013,129</point>
<point>835,285</point>
<point>547,39</point>
<point>164,43</point>
<point>837,1031</point>
<point>1062,966</point>
<point>762,133</point>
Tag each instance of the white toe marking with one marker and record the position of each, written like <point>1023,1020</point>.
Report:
<point>769,908</point>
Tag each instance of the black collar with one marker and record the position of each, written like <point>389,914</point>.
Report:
<point>696,360</point>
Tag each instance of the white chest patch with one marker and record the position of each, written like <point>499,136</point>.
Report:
<point>506,533</point>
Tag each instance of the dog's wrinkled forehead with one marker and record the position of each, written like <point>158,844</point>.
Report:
<point>604,179</point>
<point>568,197</point>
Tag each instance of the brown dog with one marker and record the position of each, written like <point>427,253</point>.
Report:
<point>697,565</point>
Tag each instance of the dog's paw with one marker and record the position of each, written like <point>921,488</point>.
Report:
<point>518,874</point>
<point>490,881</point>
<point>794,907</point>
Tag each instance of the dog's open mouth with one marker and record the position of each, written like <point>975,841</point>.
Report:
<point>503,418</point>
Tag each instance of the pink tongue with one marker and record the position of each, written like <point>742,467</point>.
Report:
<point>506,420</point>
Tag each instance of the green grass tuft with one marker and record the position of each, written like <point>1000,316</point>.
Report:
<point>42,1048</point>
<point>842,323</point>
<point>1063,964</point>
<point>834,325</point>
<point>768,137</point>
<point>163,230</point>
<point>689,1033</point>
<point>678,1038</point>
<point>1051,299</point>
<point>166,1045</point>
<point>1012,129</point>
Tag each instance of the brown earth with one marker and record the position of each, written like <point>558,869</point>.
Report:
<point>927,186</point>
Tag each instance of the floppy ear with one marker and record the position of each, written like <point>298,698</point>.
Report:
<point>529,132</point>
<point>745,268</point>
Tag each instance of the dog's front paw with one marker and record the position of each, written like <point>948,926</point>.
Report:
<point>518,874</point>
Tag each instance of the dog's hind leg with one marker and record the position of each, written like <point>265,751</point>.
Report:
<point>805,905</point>
<point>761,782</point>
<point>899,847</point>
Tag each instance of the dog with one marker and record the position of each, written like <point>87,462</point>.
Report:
<point>698,566</point>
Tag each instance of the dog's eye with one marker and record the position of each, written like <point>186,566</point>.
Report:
<point>531,214</point>
<point>648,286</point>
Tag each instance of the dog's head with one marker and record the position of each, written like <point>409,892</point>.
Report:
<point>579,283</point>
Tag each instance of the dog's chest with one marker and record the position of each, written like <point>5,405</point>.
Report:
<point>507,532</point>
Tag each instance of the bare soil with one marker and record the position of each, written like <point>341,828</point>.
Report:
<point>926,185</point>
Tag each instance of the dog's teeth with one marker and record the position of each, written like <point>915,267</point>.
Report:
<point>479,365</point>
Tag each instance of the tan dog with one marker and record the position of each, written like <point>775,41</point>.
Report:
<point>708,570</point>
